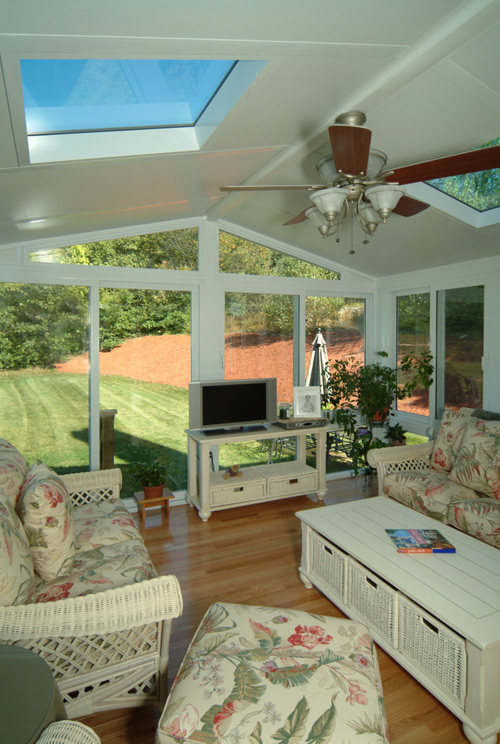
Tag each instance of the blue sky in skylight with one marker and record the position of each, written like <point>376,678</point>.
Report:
<point>82,95</point>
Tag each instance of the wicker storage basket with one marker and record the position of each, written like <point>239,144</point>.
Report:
<point>327,564</point>
<point>289,479</point>
<point>374,601</point>
<point>251,486</point>
<point>433,647</point>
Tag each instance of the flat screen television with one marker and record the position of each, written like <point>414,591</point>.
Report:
<point>232,405</point>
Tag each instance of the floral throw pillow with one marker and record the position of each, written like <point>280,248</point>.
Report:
<point>16,564</point>
<point>13,469</point>
<point>449,439</point>
<point>477,464</point>
<point>46,512</point>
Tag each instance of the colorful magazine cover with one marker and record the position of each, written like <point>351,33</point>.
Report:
<point>420,541</point>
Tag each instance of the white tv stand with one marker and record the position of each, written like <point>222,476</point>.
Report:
<point>208,492</point>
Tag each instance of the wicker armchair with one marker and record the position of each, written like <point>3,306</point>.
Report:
<point>109,649</point>
<point>397,459</point>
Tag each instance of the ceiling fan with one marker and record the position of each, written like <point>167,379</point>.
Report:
<point>359,185</point>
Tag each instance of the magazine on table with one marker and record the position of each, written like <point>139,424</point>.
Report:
<point>420,541</point>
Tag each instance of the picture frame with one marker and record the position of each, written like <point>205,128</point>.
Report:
<point>307,402</point>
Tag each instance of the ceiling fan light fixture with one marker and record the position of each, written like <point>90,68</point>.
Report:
<point>330,202</point>
<point>376,162</point>
<point>368,218</point>
<point>384,199</point>
<point>318,220</point>
<point>327,171</point>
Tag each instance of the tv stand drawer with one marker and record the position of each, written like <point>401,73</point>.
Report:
<point>238,489</point>
<point>289,479</point>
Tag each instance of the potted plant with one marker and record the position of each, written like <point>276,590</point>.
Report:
<point>373,388</point>
<point>152,476</point>
<point>370,390</point>
<point>396,435</point>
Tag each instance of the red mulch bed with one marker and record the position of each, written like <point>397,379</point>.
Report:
<point>167,359</point>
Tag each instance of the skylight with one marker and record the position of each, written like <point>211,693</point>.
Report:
<point>480,191</point>
<point>87,108</point>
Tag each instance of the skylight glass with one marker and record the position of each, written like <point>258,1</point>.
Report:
<point>480,190</point>
<point>97,95</point>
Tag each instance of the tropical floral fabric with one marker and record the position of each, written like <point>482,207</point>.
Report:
<point>477,464</point>
<point>46,512</point>
<point>257,675</point>
<point>103,523</point>
<point>449,439</point>
<point>427,491</point>
<point>99,569</point>
<point>13,470</point>
<point>477,517</point>
<point>16,564</point>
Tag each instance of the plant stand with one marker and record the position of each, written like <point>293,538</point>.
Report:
<point>144,503</point>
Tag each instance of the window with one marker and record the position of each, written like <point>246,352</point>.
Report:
<point>239,256</point>
<point>79,109</point>
<point>85,95</point>
<point>413,336</point>
<point>342,324</point>
<point>44,397</point>
<point>480,190</point>
<point>460,324</point>
<point>177,249</point>
<point>145,369</point>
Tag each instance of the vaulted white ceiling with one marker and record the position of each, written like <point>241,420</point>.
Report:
<point>424,73</point>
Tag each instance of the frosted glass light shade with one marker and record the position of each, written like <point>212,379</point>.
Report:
<point>318,220</point>
<point>384,199</point>
<point>368,214</point>
<point>329,202</point>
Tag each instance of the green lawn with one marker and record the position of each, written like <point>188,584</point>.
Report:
<point>45,415</point>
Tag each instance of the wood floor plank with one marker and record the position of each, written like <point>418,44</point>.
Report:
<point>251,555</point>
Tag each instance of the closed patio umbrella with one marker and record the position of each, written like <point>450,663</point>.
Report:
<point>318,363</point>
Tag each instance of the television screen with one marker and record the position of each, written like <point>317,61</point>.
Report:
<point>232,404</point>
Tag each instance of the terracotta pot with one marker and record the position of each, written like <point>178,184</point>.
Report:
<point>398,442</point>
<point>381,415</point>
<point>152,492</point>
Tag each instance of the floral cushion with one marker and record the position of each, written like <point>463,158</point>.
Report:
<point>47,515</point>
<point>449,439</point>
<point>99,569</point>
<point>259,675</point>
<point>13,470</point>
<point>103,523</point>
<point>477,517</point>
<point>16,564</point>
<point>427,491</point>
<point>477,464</point>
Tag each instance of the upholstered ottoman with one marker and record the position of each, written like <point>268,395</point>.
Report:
<point>261,675</point>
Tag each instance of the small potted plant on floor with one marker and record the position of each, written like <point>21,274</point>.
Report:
<point>396,435</point>
<point>152,476</point>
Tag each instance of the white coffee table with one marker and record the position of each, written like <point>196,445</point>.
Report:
<point>438,615</point>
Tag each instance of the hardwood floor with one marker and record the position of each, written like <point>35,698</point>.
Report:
<point>251,555</point>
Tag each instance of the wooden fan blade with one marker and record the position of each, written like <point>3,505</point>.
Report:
<point>272,187</point>
<point>350,148</point>
<point>454,165</point>
<point>298,218</point>
<point>407,206</point>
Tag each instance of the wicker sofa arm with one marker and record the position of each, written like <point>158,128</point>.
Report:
<point>93,485</point>
<point>112,610</point>
<point>396,459</point>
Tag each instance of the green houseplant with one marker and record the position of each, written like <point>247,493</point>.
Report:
<point>370,390</point>
<point>373,388</point>
<point>152,476</point>
<point>396,435</point>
